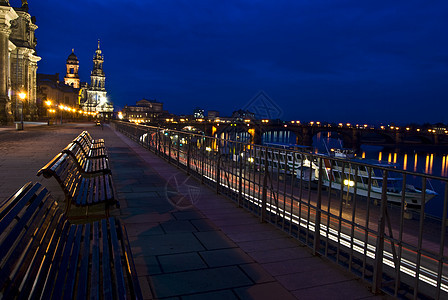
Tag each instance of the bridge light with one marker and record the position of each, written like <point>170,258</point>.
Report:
<point>407,128</point>
<point>397,128</point>
<point>392,127</point>
<point>311,123</point>
<point>348,124</point>
<point>292,122</point>
<point>418,129</point>
<point>318,123</point>
<point>340,124</point>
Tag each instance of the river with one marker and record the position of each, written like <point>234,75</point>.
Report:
<point>430,160</point>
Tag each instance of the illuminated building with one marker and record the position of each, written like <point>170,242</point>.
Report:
<point>95,96</point>
<point>145,111</point>
<point>72,77</point>
<point>18,62</point>
<point>50,88</point>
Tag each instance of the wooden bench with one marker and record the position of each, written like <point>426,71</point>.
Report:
<point>93,143</point>
<point>44,256</point>
<point>89,150</point>
<point>88,165</point>
<point>80,188</point>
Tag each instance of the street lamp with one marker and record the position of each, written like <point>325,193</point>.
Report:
<point>48,103</point>
<point>22,96</point>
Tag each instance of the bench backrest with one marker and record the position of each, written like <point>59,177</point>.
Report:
<point>31,221</point>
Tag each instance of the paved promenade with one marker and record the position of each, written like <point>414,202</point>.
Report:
<point>213,250</point>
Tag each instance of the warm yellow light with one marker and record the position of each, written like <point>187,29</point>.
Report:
<point>48,102</point>
<point>22,95</point>
<point>418,129</point>
<point>348,124</point>
<point>382,127</point>
<point>348,182</point>
<point>407,128</point>
<point>251,159</point>
<point>392,127</point>
<point>208,149</point>
<point>247,121</point>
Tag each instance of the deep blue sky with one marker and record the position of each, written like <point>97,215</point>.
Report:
<point>339,61</point>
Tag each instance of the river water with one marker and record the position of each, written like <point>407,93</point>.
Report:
<point>432,160</point>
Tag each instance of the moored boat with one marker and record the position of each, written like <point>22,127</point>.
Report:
<point>343,171</point>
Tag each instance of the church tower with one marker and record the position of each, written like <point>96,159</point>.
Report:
<point>72,77</point>
<point>97,77</point>
<point>96,93</point>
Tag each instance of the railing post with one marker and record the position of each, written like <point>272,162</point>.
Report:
<point>158,141</point>
<point>218,173</point>
<point>178,151</point>
<point>379,252</point>
<point>318,209</point>
<point>188,154</point>
<point>240,177</point>
<point>264,197</point>
<point>203,158</point>
<point>169,150</point>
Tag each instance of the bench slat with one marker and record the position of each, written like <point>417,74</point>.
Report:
<point>51,258</point>
<point>60,278</point>
<point>105,261</point>
<point>95,272</point>
<point>36,268</point>
<point>56,261</point>
<point>116,257</point>
<point>73,267</point>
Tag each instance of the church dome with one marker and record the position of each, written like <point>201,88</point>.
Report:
<point>72,58</point>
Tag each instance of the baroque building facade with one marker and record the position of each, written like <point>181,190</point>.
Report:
<point>18,63</point>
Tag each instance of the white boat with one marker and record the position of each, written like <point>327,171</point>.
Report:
<point>342,171</point>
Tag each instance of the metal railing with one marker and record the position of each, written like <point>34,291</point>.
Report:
<point>358,215</point>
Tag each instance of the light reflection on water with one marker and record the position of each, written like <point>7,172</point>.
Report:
<point>432,161</point>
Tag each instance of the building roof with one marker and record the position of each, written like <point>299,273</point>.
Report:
<point>72,57</point>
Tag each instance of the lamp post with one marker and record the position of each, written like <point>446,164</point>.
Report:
<point>48,103</point>
<point>22,96</point>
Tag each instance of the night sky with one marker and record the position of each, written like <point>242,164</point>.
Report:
<point>337,61</point>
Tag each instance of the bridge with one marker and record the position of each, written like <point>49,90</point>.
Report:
<point>352,136</point>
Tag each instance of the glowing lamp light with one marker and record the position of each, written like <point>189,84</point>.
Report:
<point>48,102</point>
<point>208,149</point>
<point>251,159</point>
<point>349,182</point>
<point>22,95</point>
